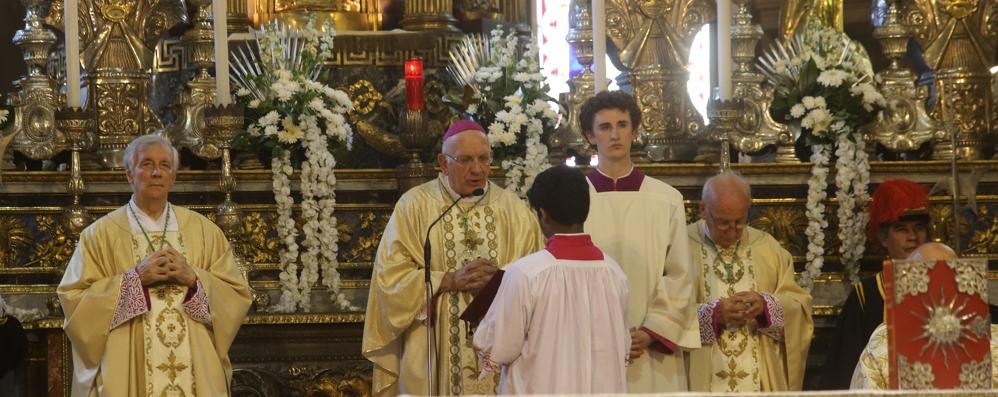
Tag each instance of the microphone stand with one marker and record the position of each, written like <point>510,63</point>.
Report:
<point>430,322</point>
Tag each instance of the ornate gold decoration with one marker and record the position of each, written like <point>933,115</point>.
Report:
<point>905,124</point>
<point>911,278</point>
<point>189,129</point>
<point>14,236</point>
<point>653,56</point>
<point>971,276</point>
<point>256,245</point>
<point>980,327</point>
<point>363,247</point>
<point>784,223</point>
<point>976,374</point>
<point>755,129</point>
<point>914,375</point>
<point>362,15</point>
<point>433,15</point>
<point>985,240</point>
<point>569,135</point>
<point>55,248</point>
<point>118,38</point>
<point>33,129</point>
<point>961,49</point>
<point>367,101</point>
<point>796,13</point>
<point>945,326</point>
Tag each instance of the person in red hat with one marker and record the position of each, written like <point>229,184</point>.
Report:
<point>488,228</point>
<point>899,223</point>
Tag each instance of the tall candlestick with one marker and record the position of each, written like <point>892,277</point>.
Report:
<point>71,27</point>
<point>724,49</point>
<point>414,83</point>
<point>222,95</point>
<point>599,45</point>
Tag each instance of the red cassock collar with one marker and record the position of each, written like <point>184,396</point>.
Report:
<point>577,247</point>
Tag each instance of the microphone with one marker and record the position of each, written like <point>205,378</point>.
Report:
<point>430,322</point>
<point>426,242</point>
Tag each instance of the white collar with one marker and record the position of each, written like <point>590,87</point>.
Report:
<point>453,195</point>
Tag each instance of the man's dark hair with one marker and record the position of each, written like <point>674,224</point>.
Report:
<point>562,192</point>
<point>608,100</point>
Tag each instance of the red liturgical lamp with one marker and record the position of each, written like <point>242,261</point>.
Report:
<point>414,83</point>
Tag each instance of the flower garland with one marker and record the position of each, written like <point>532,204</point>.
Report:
<point>816,223</point>
<point>302,122</point>
<point>510,99</point>
<point>822,83</point>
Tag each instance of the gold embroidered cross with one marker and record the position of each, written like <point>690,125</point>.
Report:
<point>172,367</point>
<point>733,375</point>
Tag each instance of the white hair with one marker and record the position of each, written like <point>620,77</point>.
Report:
<point>729,176</point>
<point>141,143</point>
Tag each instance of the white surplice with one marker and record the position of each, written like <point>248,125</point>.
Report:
<point>645,231</point>
<point>558,326</point>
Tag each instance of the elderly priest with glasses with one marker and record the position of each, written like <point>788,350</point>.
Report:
<point>452,233</point>
<point>152,296</point>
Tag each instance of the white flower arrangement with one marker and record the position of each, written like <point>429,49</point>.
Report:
<point>510,100</point>
<point>298,121</point>
<point>822,81</point>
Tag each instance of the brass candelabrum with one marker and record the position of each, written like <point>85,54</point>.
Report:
<point>75,124</point>
<point>905,124</point>
<point>221,125</point>
<point>723,116</point>
<point>414,136</point>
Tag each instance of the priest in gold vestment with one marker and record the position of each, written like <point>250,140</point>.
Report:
<point>468,244</point>
<point>152,296</point>
<point>755,321</point>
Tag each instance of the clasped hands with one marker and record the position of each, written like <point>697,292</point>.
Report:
<point>470,277</point>
<point>740,309</point>
<point>166,266</point>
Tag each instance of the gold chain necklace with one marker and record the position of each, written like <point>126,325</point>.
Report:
<point>165,225</point>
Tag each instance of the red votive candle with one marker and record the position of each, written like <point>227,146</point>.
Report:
<point>414,83</point>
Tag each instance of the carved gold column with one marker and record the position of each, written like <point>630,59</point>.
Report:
<point>237,15</point>
<point>188,130</point>
<point>959,39</point>
<point>654,37</point>
<point>429,15</point>
<point>905,124</point>
<point>754,129</point>
<point>581,87</point>
<point>35,100</point>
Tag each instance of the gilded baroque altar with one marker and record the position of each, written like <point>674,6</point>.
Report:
<point>147,68</point>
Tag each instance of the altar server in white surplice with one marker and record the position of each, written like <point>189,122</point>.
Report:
<point>641,223</point>
<point>558,323</point>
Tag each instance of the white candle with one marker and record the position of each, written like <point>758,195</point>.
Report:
<point>724,49</point>
<point>599,44</point>
<point>222,94</point>
<point>71,26</point>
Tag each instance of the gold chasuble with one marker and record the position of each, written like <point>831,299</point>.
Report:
<point>769,356</point>
<point>496,226</point>
<point>126,345</point>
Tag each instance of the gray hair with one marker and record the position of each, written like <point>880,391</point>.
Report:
<point>728,176</point>
<point>141,143</point>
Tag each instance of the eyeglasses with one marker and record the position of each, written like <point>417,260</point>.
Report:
<point>467,161</point>
<point>726,225</point>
